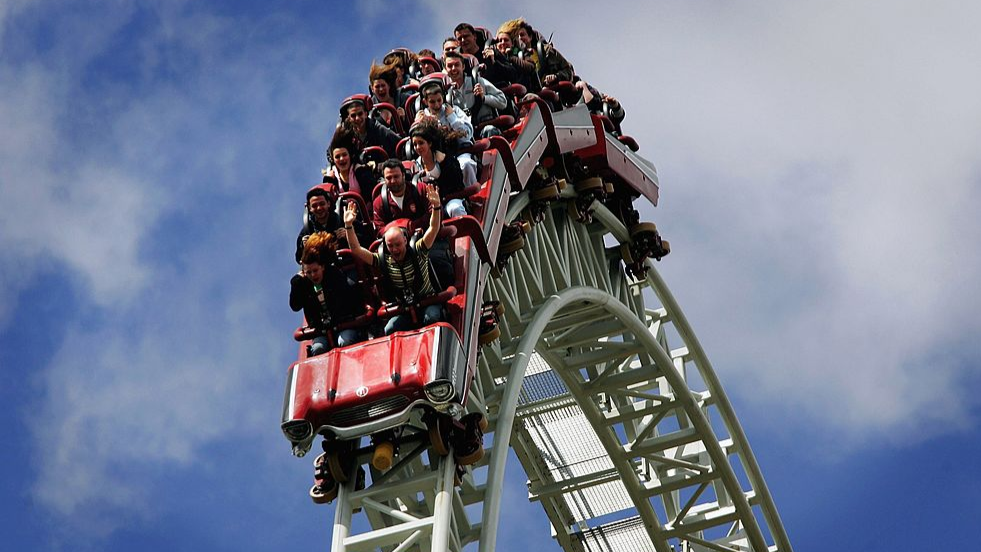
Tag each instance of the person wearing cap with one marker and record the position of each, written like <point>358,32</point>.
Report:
<point>366,131</point>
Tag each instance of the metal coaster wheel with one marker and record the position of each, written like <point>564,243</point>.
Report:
<point>545,194</point>
<point>643,229</point>
<point>626,254</point>
<point>324,489</point>
<point>470,439</point>
<point>579,208</point>
<point>324,494</point>
<point>336,467</point>
<point>476,420</point>
<point>494,306</point>
<point>471,458</point>
<point>591,184</point>
<point>338,459</point>
<point>437,436</point>
<point>511,246</point>
<point>489,336</point>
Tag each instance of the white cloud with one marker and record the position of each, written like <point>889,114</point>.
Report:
<point>800,171</point>
<point>819,170</point>
<point>151,397</point>
<point>178,207</point>
<point>61,207</point>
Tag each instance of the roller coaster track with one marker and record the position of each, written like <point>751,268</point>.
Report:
<point>597,383</point>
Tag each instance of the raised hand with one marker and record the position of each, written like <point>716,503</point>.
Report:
<point>432,194</point>
<point>351,213</point>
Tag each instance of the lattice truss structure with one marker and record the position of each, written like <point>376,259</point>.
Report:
<point>597,383</point>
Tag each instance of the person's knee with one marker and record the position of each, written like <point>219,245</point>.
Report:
<point>319,346</point>
<point>397,323</point>
<point>349,337</point>
<point>433,314</point>
<point>489,131</point>
<point>455,208</point>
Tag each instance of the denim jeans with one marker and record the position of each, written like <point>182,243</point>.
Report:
<point>319,346</point>
<point>455,208</point>
<point>349,336</point>
<point>401,322</point>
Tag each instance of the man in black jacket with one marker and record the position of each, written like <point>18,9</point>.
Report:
<point>367,131</point>
<point>321,216</point>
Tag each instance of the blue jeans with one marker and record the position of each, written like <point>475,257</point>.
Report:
<point>455,208</point>
<point>401,322</point>
<point>346,337</point>
<point>319,346</point>
<point>350,336</point>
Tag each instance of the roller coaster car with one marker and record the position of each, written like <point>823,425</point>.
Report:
<point>377,385</point>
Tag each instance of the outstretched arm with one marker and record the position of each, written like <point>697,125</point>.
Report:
<point>432,194</point>
<point>360,253</point>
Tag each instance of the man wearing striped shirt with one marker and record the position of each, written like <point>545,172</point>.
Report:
<point>403,265</point>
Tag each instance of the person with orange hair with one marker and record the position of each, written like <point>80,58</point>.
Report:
<point>326,296</point>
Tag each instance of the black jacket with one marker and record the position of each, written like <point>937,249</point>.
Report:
<point>343,297</point>
<point>311,227</point>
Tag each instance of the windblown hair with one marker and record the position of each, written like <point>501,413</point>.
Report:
<point>343,138</point>
<point>321,248</point>
<point>385,72</point>
<point>440,138</point>
<point>400,57</point>
<point>511,27</point>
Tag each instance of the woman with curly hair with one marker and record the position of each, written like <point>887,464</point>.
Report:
<point>325,294</point>
<point>454,120</point>
<point>433,165</point>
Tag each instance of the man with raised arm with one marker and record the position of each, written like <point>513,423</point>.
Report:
<point>404,266</point>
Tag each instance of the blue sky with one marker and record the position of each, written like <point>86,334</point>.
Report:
<point>820,177</point>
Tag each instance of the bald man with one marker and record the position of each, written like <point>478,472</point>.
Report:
<point>404,266</point>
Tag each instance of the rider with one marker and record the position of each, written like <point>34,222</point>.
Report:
<point>404,265</point>
<point>326,296</point>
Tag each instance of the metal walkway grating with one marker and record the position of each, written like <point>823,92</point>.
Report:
<point>619,536</point>
<point>569,449</point>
